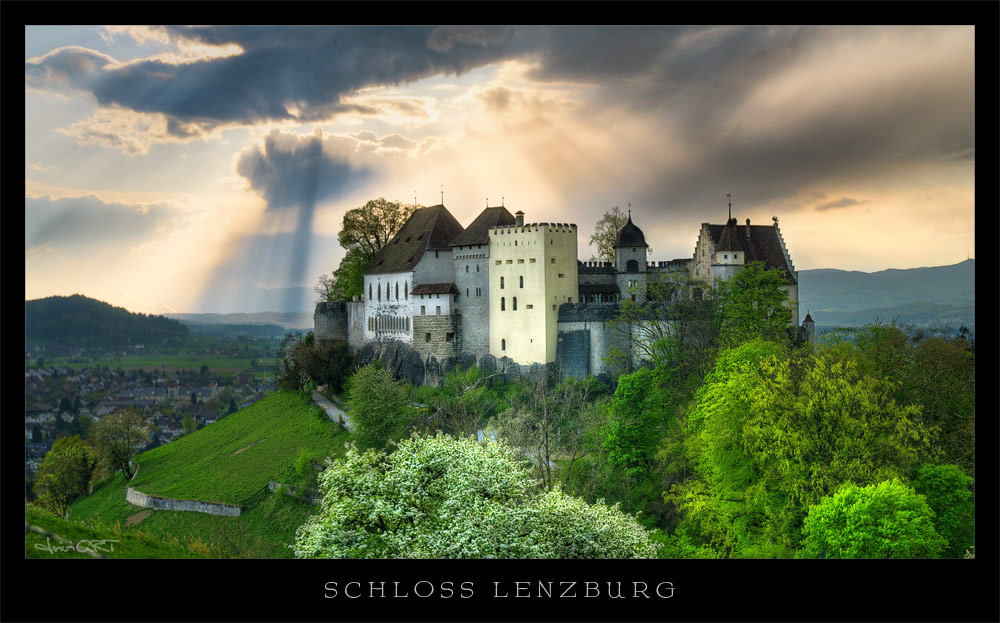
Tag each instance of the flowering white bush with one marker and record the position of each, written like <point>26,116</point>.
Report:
<point>446,497</point>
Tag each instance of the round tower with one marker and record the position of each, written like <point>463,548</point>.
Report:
<point>630,261</point>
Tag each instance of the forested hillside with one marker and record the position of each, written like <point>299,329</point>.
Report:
<point>81,320</point>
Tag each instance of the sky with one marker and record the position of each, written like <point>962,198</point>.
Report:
<point>207,169</point>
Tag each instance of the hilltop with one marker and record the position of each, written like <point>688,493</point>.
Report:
<point>934,296</point>
<point>81,320</point>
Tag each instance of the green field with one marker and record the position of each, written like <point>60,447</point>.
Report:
<point>229,462</point>
<point>222,365</point>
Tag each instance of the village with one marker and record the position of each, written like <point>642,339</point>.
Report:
<point>62,400</point>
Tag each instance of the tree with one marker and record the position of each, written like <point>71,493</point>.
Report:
<point>753,304</point>
<point>773,435</point>
<point>232,406</point>
<point>204,372</point>
<point>635,421</point>
<point>884,520</point>
<point>460,408</point>
<point>948,492</point>
<point>348,280</point>
<point>115,438</point>
<point>372,226</point>
<point>64,474</point>
<point>290,372</point>
<point>327,362</point>
<point>188,424</point>
<point>376,403</point>
<point>447,497</point>
<point>606,234</point>
<point>544,423</point>
<point>324,288</point>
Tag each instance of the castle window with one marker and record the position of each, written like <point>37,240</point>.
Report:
<point>380,291</point>
<point>498,262</point>
<point>477,268</point>
<point>406,290</point>
<point>503,344</point>
<point>435,254</point>
<point>561,275</point>
<point>528,307</point>
<point>449,337</point>
<point>514,307</point>
<point>397,290</point>
<point>427,337</point>
<point>501,283</point>
<point>632,266</point>
<point>369,291</point>
<point>423,310</point>
<point>551,242</point>
<point>522,281</point>
<point>503,304</point>
<point>553,260</point>
<point>510,261</point>
<point>466,268</point>
<point>531,261</point>
<point>438,312</point>
<point>466,292</point>
<point>553,308</point>
<point>725,257</point>
<point>520,261</point>
<point>515,243</point>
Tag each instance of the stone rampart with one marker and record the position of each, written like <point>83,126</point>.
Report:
<point>167,504</point>
<point>330,321</point>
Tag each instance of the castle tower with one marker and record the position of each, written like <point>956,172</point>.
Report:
<point>630,261</point>
<point>810,327</point>
<point>533,270</point>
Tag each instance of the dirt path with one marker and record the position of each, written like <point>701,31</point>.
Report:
<point>334,412</point>
<point>250,446</point>
<point>138,517</point>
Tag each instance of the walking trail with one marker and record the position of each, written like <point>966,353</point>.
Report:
<point>334,412</point>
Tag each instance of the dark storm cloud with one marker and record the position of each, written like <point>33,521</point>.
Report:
<point>843,202</point>
<point>87,221</point>
<point>292,171</point>
<point>307,68</point>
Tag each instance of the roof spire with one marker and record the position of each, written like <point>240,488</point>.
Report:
<point>729,195</point>
<point>630,211</point>
<point>414,198</point>
<point>442,194</point>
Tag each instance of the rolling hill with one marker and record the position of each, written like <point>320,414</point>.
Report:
<point>940,296</point>
<point>81,320</point>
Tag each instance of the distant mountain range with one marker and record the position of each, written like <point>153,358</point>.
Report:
<point>940,296</point>
<point>285,320</point>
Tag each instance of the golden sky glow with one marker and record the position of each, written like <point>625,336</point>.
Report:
<point>207,169</point>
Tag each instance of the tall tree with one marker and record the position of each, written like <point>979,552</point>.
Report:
<point>116,438</point>
<point>376,404</point>
<point>753,304</point>
<point>372,226</point>
<point>949,493</point>
<point>606,232</point>
<point>64,474</point>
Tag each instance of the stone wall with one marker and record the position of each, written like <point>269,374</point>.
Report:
<point>355,324</point>
<point>330,321</point>
<point>440,336</point>
<point>587,333</point>
<point>167,504</point>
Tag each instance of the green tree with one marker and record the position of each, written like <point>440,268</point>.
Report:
<point>461,407</point>
<point>188,424</point>
<point>290,371</point>
<point>64,474</point>
<point>753,304</point>
<point>327,362</point>
<point>636,419</point>
<point>949,493</point>
<point>883,520</point>
<point>376,404</point>
<point>116,438</point>
<point>774,435</point>
<point>606,233</point>
<point>348,280</point>
<point>446,497</point>
<point>232,406</point>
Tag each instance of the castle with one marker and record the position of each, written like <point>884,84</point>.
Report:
<point>502,289</point>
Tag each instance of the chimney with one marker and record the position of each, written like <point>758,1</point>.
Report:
<point>748,229</point>
<point>519,218</point>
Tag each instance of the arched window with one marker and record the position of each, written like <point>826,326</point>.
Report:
<point>380,291</point>
<point>503,344</point>
<point>397,290</point>
<point>632,266</point>
<point>503,304</point>
<point>423,310</point>
<point>466,268</point>
<point>406,290</point>
<point>514,307</point>
<point>522,281</point>
<point>501,283</point>
<point>370,292</point>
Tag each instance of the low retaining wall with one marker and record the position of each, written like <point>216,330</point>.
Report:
<point>302,493</point>
<point>167,504</point>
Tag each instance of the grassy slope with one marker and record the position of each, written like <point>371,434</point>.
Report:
<point>232,460</point>
<point>202,466</point>
<point>135,543</point>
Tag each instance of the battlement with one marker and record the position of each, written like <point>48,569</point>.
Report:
<point>595,267</point>
<point>568,228</point>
